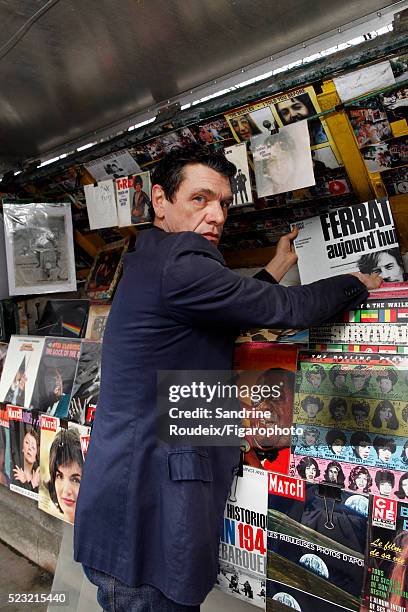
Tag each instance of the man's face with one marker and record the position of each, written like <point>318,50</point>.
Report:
<point>385,488</point>
<point>315,379</point>
<point>292,110</point>
<point>309,438</point>
<point>359,416</point>
<point>312,410</point>
<point>389,268</point>
<point>358,382</point>
<point>333,473</point>
<point>340,381</point>
<point>385,384</point>
<point>338,412</point>
<point>384,454</point>
<point>200,204</point>
<point>363,451</point>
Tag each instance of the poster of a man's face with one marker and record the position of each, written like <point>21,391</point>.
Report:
<point>298,108</point>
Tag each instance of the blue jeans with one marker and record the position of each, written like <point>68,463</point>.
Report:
<point>115,596</point>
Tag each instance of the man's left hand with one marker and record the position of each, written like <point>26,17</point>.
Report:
<point>285,256</point>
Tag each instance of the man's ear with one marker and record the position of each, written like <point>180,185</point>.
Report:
<point>159,201</point>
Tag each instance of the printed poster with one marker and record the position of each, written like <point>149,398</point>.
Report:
<point>240,182</point>
<point>20,370</point>
<point>112,166</point>
<point>133,199</point>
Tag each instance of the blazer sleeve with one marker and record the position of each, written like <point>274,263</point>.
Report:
<point>198,288</point>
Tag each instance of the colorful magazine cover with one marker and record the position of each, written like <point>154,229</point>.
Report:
<point>316,542</point>
<point>85,391</point>
<point>97,318</point>
<point>62,454</point>
<point>20,370</point>
<point>386,578</point>
<point>105,272</point>
<point>268,364</point>
<point>242,556</point>
<point>24,429</point>
<point>358,238</point>
<point>133,199</point>
<point>55,376</point>
<point>4,447</point>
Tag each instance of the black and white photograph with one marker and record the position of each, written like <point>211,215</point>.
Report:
<point>112,166</point>
<point>240,182</point>
<point>283,161</point>
<point>39,248</point>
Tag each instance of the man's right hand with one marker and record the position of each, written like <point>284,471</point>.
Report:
<point>371,281</point>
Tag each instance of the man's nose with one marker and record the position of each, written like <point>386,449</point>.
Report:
<point>216,214</point>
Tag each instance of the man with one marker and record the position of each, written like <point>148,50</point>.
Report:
<point>149,516</point>
<point>241,179</point>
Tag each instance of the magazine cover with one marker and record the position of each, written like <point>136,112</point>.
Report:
<point>133,199</point>
<point>112,166</point>
<point>24,429</point>
<point>395,103</point>
<point>101,204</point>
<point>369,121</point>
<point>106,270</point>
<point>386,579</point>
<point>283,161</point>
<point>63,318</point>
<point>62,453</point>
<point>386,155</point>
<point>273,365</point>
<point>52,391</point>
<point>4,447</point>
<point>251,120</point>
<point>39,248</point>
<point>97,318</point>
<point>240,182</point>
<point>316,542</point>
<point>242,557</point>
<point>85,391</point>
<point>358,238</point>
<point>20,370</point>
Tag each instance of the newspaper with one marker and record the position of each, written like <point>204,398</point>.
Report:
<point>39,248</point>
<point>350,239</point>
<point>112,166</point>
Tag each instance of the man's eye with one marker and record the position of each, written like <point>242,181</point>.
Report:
<point>225,205</point>
<point>200,199</point>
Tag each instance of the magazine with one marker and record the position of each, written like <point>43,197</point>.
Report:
<point>55,377</point>
<point>385,584</point>
<point>97,318</point>
<point>316,543</point>
<point>4,447</point>
<point>85,391</point>
<point>133,199</point>
<point>355,238</point>
<point>62,453</point>
<point>24,429</point>
<point>39,248</point>
<point>3,353</point>
<point>242,554</point>
<point>269,364</point>
<point>105,271</point>
<point>240,182</point>
<point>20,370</point>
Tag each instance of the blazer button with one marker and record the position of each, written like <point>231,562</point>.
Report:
<point>347,292</point>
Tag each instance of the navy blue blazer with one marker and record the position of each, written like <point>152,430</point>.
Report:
<point>148,513</point>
